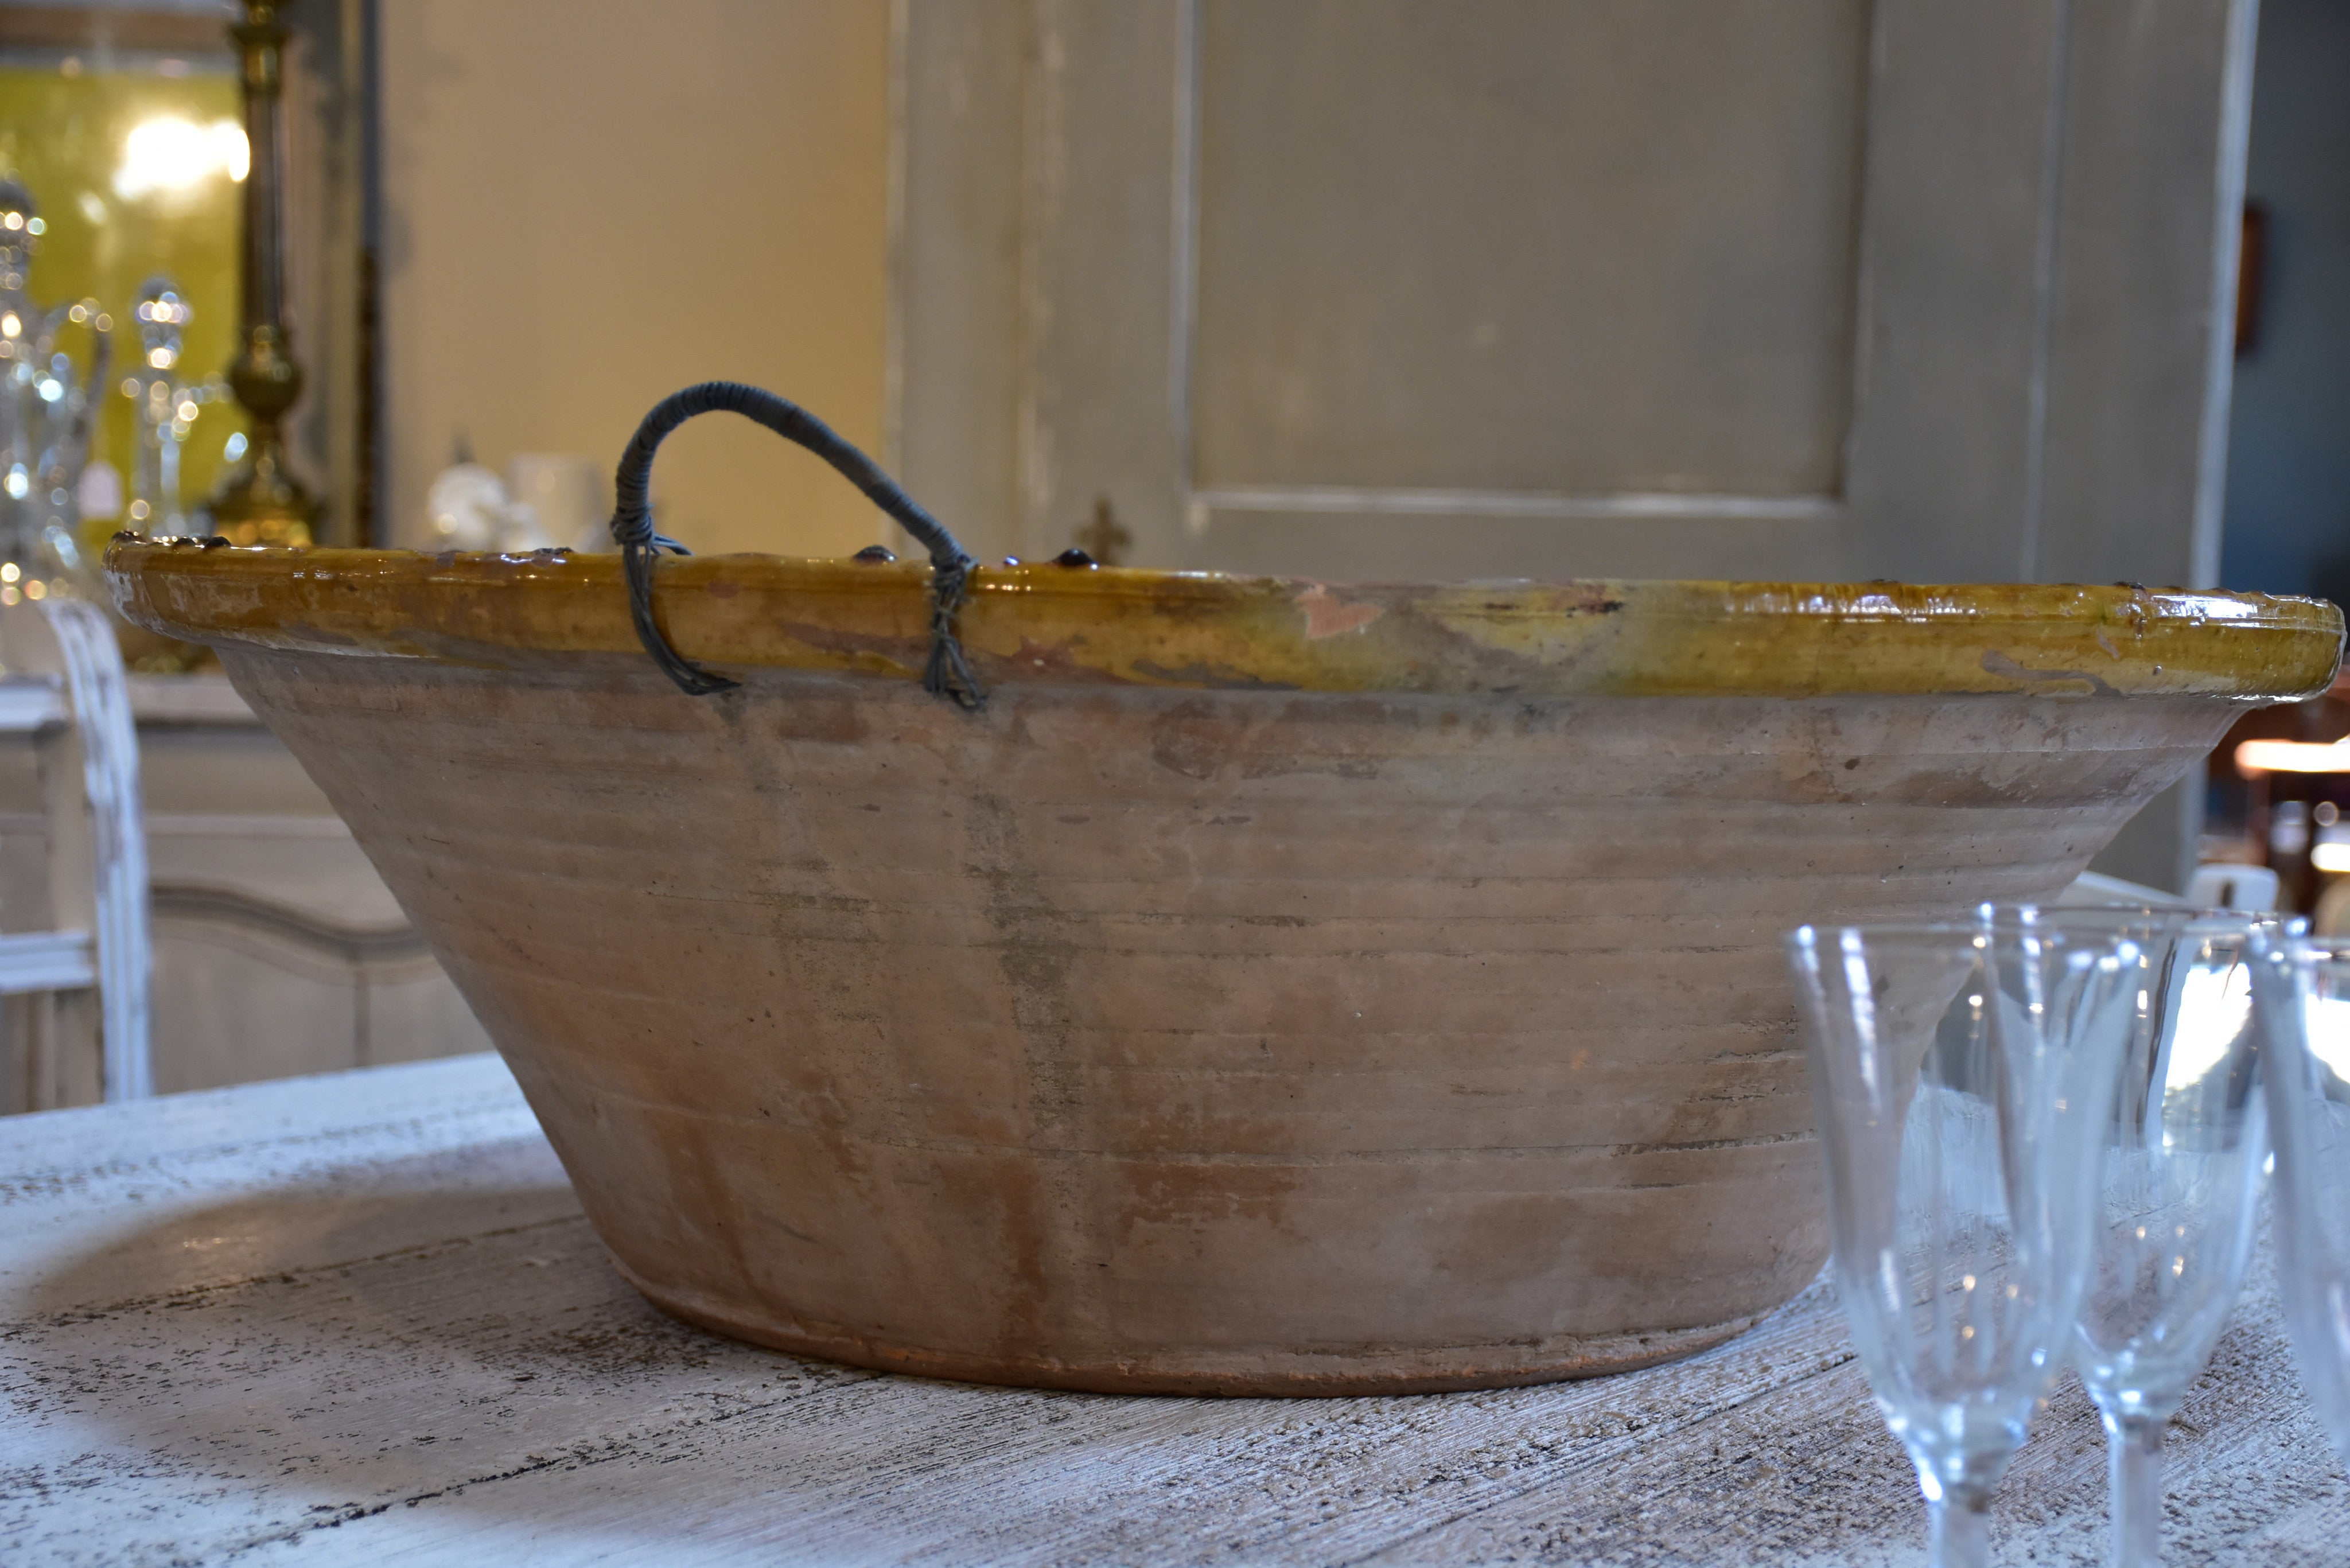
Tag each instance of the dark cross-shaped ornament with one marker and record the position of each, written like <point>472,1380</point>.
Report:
<point>1103,538</point>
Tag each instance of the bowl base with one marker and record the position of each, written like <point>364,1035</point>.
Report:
<point>1269,1374</point>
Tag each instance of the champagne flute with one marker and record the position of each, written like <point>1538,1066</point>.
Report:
<point>2305,986</point>
<point>1962,1073</point>
<point>2181,1182</point>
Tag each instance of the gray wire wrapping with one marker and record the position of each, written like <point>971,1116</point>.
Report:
<point>948,673</point>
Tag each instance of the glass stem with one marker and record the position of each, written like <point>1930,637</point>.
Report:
<point>1961,1531</point>
<point>2134,1467</point>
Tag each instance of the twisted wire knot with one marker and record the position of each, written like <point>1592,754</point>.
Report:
<point>948,673</point>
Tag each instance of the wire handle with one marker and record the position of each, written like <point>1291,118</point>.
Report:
<point>948,674</point>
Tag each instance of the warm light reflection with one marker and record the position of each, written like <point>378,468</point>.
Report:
<point>2292,757</point>
<point>171,154</point>
<point>2331,856</point>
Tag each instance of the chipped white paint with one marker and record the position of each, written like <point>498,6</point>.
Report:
<point>358,1319</point>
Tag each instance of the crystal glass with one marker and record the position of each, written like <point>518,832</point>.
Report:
<point>2182,1177</point>
<point>166,407</point>
<point>1962,1075</point>
<point>2304,1017</point>
<point>46,417</point>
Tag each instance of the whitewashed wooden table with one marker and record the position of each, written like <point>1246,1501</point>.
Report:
<point>360,1319</point>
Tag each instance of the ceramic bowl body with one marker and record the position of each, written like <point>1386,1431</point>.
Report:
<point>1278,988</point>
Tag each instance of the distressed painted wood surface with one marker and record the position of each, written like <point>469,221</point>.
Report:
<point>360,1319</point>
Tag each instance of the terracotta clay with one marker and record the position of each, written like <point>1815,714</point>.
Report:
<point>1165,1037</point>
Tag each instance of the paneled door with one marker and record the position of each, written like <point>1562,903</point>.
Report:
<point>1362,290</point>
<point>1444,288</point>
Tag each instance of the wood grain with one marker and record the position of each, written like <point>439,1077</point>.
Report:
<point>360,1319</point>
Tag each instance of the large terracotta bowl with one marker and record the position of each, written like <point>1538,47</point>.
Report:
<point>1280,988</point>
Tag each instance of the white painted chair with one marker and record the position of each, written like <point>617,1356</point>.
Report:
<point>87,940</point>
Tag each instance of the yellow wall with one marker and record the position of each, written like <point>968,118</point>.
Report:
<point>590,203</point>
<point>61,135</point>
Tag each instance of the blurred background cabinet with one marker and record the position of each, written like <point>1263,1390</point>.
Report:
<point>277,948</point>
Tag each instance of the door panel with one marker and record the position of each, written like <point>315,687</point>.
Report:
<point>1596,308</point>
<point>1572,288</point>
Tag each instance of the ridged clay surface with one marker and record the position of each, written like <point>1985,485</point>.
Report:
<point>1209,1037</point>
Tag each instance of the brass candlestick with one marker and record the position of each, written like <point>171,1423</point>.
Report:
<point>259,501</point>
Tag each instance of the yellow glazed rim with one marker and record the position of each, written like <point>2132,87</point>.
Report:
<point>1053,625</point>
